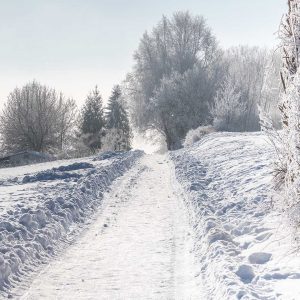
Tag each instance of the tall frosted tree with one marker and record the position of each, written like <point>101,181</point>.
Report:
<point>290,103</point>
<point>92,120</point>
<point>118,133</point>
<point>178,48</point>
<point>287,142</point>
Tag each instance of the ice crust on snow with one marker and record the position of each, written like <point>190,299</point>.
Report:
<point>30,235</point>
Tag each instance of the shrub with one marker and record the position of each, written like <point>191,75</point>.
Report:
<point>195,135</point>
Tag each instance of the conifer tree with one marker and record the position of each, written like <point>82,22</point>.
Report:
<point>92,121</point>
<point>117,123</point>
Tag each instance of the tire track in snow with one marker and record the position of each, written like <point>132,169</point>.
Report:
<point>135,249</point>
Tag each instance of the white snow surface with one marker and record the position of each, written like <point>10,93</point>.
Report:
<point>43,209</point>
<point>136,248</point>
<point>198,223</point>
<point>244,249</point>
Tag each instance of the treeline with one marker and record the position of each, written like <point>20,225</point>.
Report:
<point>182,79</point>
<point>36,117</point>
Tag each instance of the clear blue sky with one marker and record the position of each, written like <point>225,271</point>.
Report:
<point>73,45</point>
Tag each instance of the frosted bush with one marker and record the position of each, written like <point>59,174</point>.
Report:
<point>195,135</point>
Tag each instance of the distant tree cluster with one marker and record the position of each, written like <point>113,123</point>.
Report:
<point>182,79</point>
<point>110,129</point>
<point>36,117</point>
<point>252,80</point>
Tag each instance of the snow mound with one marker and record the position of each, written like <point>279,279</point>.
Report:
<point>49,175</point>
<point>30,235</point>
<point>108,155</point>
<point>74,167</point>
<point>225,180</point>
<point>59,173</point>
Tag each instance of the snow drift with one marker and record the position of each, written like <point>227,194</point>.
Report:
<point>243,248</point>
<point>31,234</point>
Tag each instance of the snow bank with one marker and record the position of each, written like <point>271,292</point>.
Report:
<point>58,173</point>
<point>107,155</point>
<point>30,235</point>
<point>241,250</point>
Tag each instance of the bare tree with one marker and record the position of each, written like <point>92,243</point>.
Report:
<point>34,118</point>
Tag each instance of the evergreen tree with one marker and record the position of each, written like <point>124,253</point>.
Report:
<point>92,122</point>
<point>117,122</point>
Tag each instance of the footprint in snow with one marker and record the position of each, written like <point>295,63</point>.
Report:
<point>245,273</point>
<point>259,258</point>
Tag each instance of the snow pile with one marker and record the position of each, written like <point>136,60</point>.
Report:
<point>107,155</point>
<point>58,173</point>
<point>49,175</point>
<point>74,167</point>
<point>241,250</point>
<point>30,235</point>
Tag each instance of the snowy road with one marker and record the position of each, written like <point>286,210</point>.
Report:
<point>137,247</point>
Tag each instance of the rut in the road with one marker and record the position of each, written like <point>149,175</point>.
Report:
<point>135,249</point>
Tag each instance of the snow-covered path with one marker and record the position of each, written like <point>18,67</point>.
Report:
<point>137,247</point>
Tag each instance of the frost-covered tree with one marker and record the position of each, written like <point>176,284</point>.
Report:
<point>228,109</point>
<point>118,135</point>
<point>66,120</point>
<point>35,118</point>
<point>271,89</point>
<point>290,102</point>
<point>287,142</point>
<point>175,47</point>
<point>92,120</point>
<point>247,69</point>
<point>181,103</point>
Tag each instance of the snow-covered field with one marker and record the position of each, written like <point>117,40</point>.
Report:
<point>243,249</point>
<point>197,223</point>
<point>40,211</point>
